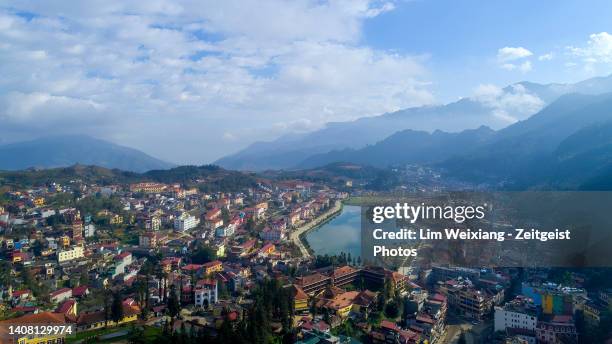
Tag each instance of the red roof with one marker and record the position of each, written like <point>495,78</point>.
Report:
<point>192,267</point>
<point>386,324</point>
<point>60,291</point>
<point>213,263</point>
<point>122,255</point>
<point>80,290</point>
<point>19,293</point>
<point>65,307</point>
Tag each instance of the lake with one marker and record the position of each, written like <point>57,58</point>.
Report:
<point>341,234</point>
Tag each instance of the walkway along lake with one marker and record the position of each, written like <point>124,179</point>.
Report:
<point>340,234</point>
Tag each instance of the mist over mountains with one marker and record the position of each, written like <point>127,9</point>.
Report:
<point>490,109</point>
<point>67,150</point>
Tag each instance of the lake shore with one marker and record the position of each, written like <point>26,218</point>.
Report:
<point>298,236</point>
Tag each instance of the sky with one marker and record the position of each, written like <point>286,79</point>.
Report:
<point>192,81</point>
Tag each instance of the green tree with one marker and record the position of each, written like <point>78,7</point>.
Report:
<point>117,307</point>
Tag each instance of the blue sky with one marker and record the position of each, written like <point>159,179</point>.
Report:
<point>462,37</point>
<point>190,81</point>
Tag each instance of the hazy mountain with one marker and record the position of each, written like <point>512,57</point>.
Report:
<point>561,146</point>
<point>407,146</point>
<point>58,151</point>
<point>467,113</point>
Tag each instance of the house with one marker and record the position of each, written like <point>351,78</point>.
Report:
<point>96,320</point>
<point>67,255</point>
<point>46,318</point>
<point>213,266</point>
<point>68,307</point>
<point>272,234</point>
<point>266,250</point>
<point>185,222</point>
<point>80,291</point>
<point>60,295</point>
<point>205,292</point>
<point>300,299</point>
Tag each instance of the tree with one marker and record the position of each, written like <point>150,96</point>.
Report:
<point>173,304</point>
<point>203,254</point>
<point>117,307</point>
<point>225,215</point>
<point>107,300</point>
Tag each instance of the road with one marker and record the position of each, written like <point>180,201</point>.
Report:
<point>295,235</point>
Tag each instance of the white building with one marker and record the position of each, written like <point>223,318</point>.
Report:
<point>223,232</point>
<point>67,255</point>
<point>89,230</point>
<point>517,317</point>
<point>185,222</point>
<point>206,292</point>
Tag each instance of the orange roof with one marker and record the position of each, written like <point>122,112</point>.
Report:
<point>299,294</point>
<point>344,270</point>
<point>40,318</point>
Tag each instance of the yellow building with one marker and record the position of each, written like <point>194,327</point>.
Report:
<point>47,318</point>
<point>39,201</point>
<point>116,220</point>
<point>67,255</point>
<point>221,250</point>
<point>213,266</point>
<point>95,320</point>
<point>300,299</point>
<point>65,241</point>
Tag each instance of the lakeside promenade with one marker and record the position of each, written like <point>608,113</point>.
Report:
<point>295,235</point>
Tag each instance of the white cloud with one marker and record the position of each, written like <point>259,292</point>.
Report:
<point>164,75</point>
<point>523,67</point>
<point>509,59</point>
<point>546,57</point>
<point>597,53</point>
<point>506,54</point>
<point>598,48</point>
<point>511,104</point>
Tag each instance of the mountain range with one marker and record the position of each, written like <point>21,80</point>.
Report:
<point>295,151</point>
<point>566,145</point>
<point>59,151</point>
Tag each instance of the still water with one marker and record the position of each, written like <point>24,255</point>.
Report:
<point>341,234</point>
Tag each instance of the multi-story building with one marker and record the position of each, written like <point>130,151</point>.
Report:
<point>67,255</point>
<point>467,300</point>
<point>223,232</point>
<point>556,329</point>
<point>46,318</point>
<point>148,187</point>
<point>520,313</point>
<point>205,292</point>
<point>185,222</point>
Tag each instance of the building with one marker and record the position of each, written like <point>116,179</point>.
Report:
<point>518,314</point>
<point>223,232</point>
<point>122,260</point>
<point>466,299</point>
<point>214,266</point>
<point>96,320</point>
<point>272,234</point>
<point>46,318</point>
<point>266,250</point>
<point>556,329</point>
<point>148,187</point>
<point>345,275</point>
<point>185,222</point>
<point>300,299</point>
<point>60,295</point>
<point>67,255</point>
<point>314,283</point>
<point>205,293</point>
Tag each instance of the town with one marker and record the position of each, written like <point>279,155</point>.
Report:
<point>155,262</point>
